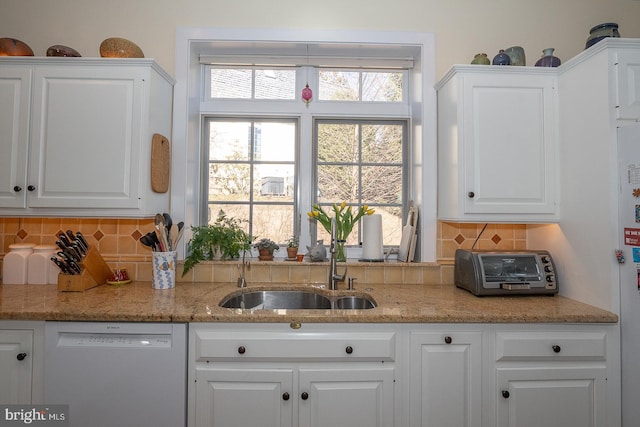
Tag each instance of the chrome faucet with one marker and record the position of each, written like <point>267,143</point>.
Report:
<point>334,277</point>
<point>242,282</point>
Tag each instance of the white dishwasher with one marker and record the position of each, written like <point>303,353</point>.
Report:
<point>117,374</point>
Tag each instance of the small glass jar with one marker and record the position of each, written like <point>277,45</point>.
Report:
<point>15,263</point>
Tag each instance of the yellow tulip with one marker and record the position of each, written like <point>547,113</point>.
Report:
<point>370,211</point>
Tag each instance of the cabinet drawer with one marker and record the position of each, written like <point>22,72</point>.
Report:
<point>241,345</point>
<point>550,345</point>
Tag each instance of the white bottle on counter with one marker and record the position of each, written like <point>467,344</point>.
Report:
<point>40,267</point>
<point>15,263</point>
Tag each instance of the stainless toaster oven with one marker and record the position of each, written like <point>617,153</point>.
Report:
<point>505,273</point>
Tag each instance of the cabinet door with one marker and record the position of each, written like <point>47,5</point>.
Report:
<point>244,397</point>
<point>445,379</point>
<point>628,90</point>
<point>346,397</point>
<point>551,397</point>
<point>15,91</point>
<point>87,150</point>
<point>16,364</point>
<point>509,144</point>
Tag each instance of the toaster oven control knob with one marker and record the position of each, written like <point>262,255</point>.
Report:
<point>551,278</point>
<point>471,194</point>
<point>548,268</point>
<point>545,259</point>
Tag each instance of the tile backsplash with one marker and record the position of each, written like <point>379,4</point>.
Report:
<point>117,241</point>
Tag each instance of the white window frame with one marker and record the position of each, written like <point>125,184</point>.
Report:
<point>191,43</point>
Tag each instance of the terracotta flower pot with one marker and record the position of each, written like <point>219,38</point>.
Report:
<point>292,252</point>
<point>265,255</point>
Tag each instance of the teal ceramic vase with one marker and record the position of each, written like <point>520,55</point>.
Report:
<point>516,55</point>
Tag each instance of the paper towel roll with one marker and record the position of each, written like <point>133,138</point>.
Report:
<point>372,237</point>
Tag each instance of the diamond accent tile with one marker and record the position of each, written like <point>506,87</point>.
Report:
<point>136,235</point>
<point>98,235</point>
<point>459,239</point>
<point>22,234</point>
<point>496,239</point>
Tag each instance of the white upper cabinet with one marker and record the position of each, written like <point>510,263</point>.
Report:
<point>628,85</point>
<point>86,126</point>
<point>497,144</point>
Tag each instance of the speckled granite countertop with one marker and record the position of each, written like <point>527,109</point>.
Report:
<point>198,302</point>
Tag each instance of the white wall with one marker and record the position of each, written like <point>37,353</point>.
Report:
<point>462,27</point>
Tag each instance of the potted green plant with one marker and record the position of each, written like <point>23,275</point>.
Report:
<point>224,239</point>
<point>265,248</point>
<point>292,247</point>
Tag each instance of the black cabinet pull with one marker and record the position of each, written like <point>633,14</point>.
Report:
<point>505,394</point>
<point>21,356</point>
<point>241,349</point>
<point>349,349</point>
<point>448,339</point>
<point>471,194</point>
<point>17,189</point>
<point>304,395</point>
<point>556,348</point>
<point>31,188</point>
<point>285,396</point>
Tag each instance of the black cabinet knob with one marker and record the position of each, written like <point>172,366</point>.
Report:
<point>285,396</point>
<point>304,395</point>
<point>556,348</point>
<point>17,189</point>
<point>241,349</point>
<point>448,339</point>
<point>471,194</point>
<point>349,349</point>
<point>505,394</point>
<point>21,356</point>
<point>31,188</point>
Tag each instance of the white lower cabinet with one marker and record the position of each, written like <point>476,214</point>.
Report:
<point>404,375</point>
<point>445,380</point>
<point>244,396</point>
<point>298,375</point>
<point>558,377</point>
<point>21,360</point>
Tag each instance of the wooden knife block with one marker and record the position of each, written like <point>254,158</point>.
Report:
<point>95,271</point>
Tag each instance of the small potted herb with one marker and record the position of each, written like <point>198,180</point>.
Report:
<point>224,239</point>
<point>292,247</point>
<point>265,248</point>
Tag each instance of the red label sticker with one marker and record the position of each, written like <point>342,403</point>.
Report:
<point>632,236</point>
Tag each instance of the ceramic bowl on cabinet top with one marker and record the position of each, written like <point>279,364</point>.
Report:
<point>116,47</point>
<point>60,50</point>
<point>14,47</point>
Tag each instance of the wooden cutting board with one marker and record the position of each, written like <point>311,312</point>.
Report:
<point>408,233</point>
<point>160,163</point>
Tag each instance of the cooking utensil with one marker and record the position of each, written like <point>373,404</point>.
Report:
<point>160,163</point>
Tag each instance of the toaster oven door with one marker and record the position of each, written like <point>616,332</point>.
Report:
<point>511,270</point>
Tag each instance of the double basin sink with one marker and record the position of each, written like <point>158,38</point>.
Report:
<point>295,300</point>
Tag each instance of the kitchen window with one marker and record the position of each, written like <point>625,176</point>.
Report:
<point>370,54</point>
<point>252,160</point>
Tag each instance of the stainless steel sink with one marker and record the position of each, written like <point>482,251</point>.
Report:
<point>354,303</point>
<point>273,300</point>
<point>294,300</point>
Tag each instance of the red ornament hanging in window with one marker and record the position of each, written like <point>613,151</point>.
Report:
<point>307,94</point>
